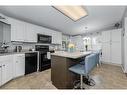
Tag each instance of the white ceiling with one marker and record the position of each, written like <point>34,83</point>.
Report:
<point>99,17</point>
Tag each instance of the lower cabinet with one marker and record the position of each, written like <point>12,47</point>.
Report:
<point>6,68</point>
<point>11,66</point>
<point>19,65</point>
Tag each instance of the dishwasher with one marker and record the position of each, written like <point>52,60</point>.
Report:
<point>30,62</point>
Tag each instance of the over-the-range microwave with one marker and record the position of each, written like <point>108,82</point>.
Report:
<point>44,38</point>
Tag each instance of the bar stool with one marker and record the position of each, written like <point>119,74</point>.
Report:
<point>84,70</point>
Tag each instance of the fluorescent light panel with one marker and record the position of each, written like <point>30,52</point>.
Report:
<point>73,12</point>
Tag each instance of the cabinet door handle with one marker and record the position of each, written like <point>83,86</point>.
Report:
<point>3,65</point>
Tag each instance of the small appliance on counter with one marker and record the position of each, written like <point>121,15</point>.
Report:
<point>18,48</point>
<point>4,48</point>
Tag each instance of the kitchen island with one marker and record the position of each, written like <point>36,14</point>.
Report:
<point>61,77</point>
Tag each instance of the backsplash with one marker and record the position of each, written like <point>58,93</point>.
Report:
<point>25,46</point>
<point>28,46</point>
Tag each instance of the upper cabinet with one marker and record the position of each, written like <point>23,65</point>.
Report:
<point>17,30</point>
<point>56,37</point>
<point>4,32</point>
<point>31,33</point>
<point>26,32</point>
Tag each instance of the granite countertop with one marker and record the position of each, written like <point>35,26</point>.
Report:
<point>9,53</point>
<point>73,55</point>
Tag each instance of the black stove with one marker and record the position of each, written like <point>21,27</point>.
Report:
<point>44,57</point>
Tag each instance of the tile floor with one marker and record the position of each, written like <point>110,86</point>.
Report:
<point>106,77</point>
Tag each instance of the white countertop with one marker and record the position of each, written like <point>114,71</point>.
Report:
<point>10,53</point>
<point>73,55</point>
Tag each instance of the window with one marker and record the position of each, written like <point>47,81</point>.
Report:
<point>87,41</point>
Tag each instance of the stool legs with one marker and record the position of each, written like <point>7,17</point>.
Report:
<point>81,81</point>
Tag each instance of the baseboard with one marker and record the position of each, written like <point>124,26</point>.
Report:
<point>112,64</point>
<point>123,69</point>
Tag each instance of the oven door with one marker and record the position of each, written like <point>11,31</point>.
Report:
<point>44,61</point>
<point>44,39</point>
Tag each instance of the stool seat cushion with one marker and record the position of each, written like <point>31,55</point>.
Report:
<point>78,69</point>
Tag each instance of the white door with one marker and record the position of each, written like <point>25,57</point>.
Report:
<point>116,46</point>
<point>106,52</point>
<point>19,65</point>
<point>116,53</point>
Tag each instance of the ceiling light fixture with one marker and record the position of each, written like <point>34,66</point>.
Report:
<point>73,12</point>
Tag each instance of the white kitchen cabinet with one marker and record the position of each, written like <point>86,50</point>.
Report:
<point>18,30</point>
<point>59,36</point>
<point>106,36</point>
<point>23,31</point>
<point>116,53</point>
<point>40,30</point>
<point>31,32</point>
<point>116,46</point>
<point>46,31</point>
<point>56,37</point>
<point>4,32</point>
<point>19,65</point>
<point>6,69</point>
<point>116,35</point>
<point>111,46</point>
<point>26,32</point>
<point>11,66</point>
